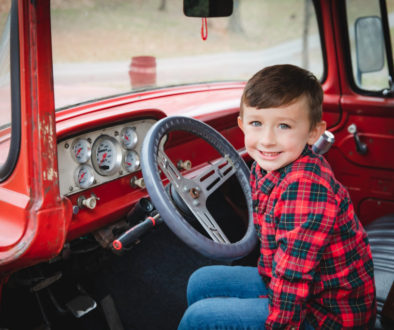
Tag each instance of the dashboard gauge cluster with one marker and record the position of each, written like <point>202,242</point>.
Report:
<point>100,156</point>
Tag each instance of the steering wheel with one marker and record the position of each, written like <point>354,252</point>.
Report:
<point>195,191</point>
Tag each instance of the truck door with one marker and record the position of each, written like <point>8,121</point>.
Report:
<point>362,156</point>
<point>33,217</point>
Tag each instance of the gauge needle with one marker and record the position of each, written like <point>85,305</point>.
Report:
<point>79,150</point>
<point>103,158</point>
<point>128,163</point>
<point>126,137</point>
<point>82,175</point>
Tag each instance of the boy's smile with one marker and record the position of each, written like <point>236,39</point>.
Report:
<point>275,137</point>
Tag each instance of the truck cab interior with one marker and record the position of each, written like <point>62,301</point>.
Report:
<point>122,168</point>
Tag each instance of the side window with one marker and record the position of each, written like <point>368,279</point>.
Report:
<point>390,11</point>
<point>5,82</point>
<point>370,64</point>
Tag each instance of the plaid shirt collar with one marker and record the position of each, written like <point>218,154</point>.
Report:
<point>271,179</point>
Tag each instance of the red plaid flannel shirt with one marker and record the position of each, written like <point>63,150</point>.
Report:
<point>314,255</point>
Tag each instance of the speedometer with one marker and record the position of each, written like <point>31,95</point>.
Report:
<point>106,155</point>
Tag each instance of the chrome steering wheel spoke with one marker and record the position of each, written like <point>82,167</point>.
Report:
<point>209,224</point>
<point>217,174</point>
<point>195,192</point>
<point>169,169</point>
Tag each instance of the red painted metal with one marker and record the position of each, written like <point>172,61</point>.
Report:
<point>331,86</point>
<point>369,177</point>
<point>34,219</point>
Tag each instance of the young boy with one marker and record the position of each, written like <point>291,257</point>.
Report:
<point>315,269</point>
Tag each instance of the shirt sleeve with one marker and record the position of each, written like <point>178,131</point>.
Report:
<point>304,215</point>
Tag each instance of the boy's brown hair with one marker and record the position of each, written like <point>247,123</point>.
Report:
<point>279,85</point>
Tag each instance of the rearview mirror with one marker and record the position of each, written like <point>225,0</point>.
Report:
<point>369,44</point>
<point>208,8</point>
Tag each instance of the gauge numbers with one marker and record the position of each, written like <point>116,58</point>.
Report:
<point>84,176</point>
<point>131,161</point>
<point>81,150</point>
<point>129,137</point>
<point>106,155</point>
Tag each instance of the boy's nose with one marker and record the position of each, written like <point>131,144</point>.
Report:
<point>267,137</point>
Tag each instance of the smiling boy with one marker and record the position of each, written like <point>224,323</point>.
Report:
<point>314,254</point>
<point>315,268</point>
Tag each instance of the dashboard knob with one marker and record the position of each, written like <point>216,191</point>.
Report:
<point>89,202</point>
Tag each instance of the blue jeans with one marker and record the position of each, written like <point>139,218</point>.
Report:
<point>225,297</point>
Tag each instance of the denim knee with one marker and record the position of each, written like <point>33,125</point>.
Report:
<point>226,314</point>
<point>196,286</point>
<point>194,318</point>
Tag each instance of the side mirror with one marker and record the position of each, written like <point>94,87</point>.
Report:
<point>369,45</point>
<point>207,8</point>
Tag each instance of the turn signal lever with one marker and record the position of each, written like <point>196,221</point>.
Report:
<point>141,210</point>
<point>131,235</point>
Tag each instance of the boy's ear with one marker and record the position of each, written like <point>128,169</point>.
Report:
<point>240,123</point>
<point>316,132</point>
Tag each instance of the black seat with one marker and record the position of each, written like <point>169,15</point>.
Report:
<point>381,238</point>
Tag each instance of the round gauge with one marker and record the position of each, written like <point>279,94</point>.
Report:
<point>131,161</point>
<point>81,150</point>
<point>84,176</point>
<point>106,155</point>
<point>129,137</point>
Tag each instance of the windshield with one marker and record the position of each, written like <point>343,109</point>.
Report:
<point>103,48</point>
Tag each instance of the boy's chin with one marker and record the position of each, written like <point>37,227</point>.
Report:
<point>268,167</point>
<point>271,166</point>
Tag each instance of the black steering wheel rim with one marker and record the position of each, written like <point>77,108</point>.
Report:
<point>167,210</point>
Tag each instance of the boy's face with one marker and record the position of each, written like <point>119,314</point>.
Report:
<point>275,137</point>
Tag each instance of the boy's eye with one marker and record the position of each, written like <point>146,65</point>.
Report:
<point>255,123</point>
<point>284,126</point>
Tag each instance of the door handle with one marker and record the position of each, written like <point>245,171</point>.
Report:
<point>361,147</point>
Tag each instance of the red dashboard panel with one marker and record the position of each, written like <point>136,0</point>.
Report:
<point>218,106</point>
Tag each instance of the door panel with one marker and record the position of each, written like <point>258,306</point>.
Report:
<point>369,177</point>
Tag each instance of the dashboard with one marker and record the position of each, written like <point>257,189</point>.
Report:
<point>91,159</point>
